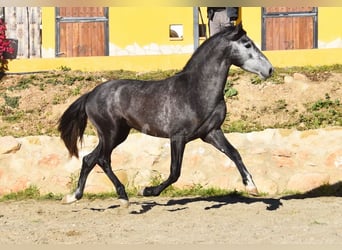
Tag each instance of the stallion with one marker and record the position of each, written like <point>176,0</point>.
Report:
<point>183,107</point>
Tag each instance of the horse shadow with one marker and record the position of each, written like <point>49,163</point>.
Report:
<point>216,202</point>
<point>326,190</point>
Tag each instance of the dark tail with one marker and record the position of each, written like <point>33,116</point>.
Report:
<point>73,123</point>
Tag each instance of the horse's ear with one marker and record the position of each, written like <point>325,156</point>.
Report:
<point>239,27</point>
<point>237,32</point>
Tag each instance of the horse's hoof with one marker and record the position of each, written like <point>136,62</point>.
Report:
<point>141,192</point>
<point>252,191</point>
<point>69,198</point>
<point>124,203</point>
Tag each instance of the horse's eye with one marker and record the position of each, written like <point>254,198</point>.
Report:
<point>248,45</point>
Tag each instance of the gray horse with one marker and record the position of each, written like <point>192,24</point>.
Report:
<point>184,107</point>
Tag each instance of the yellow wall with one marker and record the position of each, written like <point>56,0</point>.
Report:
<point>281,58</point>
<point>146,25</point>
<point>251,22</point>
<point>48,32</point>
<point>329,23</point>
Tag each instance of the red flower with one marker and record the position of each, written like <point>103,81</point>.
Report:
<point>5,45</point>
<point>5,48</point>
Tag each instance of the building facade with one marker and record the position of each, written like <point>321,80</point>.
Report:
<point>126,32</point>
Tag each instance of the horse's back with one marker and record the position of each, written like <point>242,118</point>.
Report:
<point>123,95</point>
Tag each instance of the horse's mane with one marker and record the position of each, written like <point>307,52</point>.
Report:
<point>231,33</point>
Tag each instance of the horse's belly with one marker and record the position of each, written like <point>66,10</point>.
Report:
<point>153,131</point>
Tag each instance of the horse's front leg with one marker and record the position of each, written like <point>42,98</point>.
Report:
<point>218,140</point>
<point>177,151</point>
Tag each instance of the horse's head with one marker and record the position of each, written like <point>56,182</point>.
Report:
<point>246,55</point>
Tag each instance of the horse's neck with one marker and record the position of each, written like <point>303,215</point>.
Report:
<point>211,71</point>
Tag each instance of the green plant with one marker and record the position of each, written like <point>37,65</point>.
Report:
<point>199,190</point>
<point>32,192</point>
<point>76,91</point>
<point>53,81</point>
<point>280,105</point>
<point>241,126</point>
<point>10,115</point>
<point>324,104</point>
<point>322,113</point>
<point>57,99</point>
<point>71,79</point>
<point>42,86</point>
<point>12,102</point>
<point>256,80</point>
<point>72,184</point>
<point>64,68</point>
<point>23,83</point>
<point>229,91</point>
<point>277,77</point>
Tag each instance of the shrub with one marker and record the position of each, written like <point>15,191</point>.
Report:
<point>5,47</point>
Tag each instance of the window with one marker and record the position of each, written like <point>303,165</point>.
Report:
<point>176,32</point>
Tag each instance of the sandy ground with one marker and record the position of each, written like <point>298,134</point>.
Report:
<point>160,220</point>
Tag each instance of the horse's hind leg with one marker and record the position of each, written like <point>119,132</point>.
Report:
<point>104,162</point>
<point>88,163</point>
<point>110,140</point>
<point>218,140</point>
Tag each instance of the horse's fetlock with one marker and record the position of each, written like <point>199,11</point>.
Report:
<point>78,195</point>
<point>149,191</point>
<point>122,193</point>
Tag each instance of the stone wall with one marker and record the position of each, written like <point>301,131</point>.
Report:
<point>279,160</point>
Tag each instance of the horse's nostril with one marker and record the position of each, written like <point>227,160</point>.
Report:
<point>271,71</point>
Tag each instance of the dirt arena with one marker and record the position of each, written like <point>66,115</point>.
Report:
<point>161,220</point>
